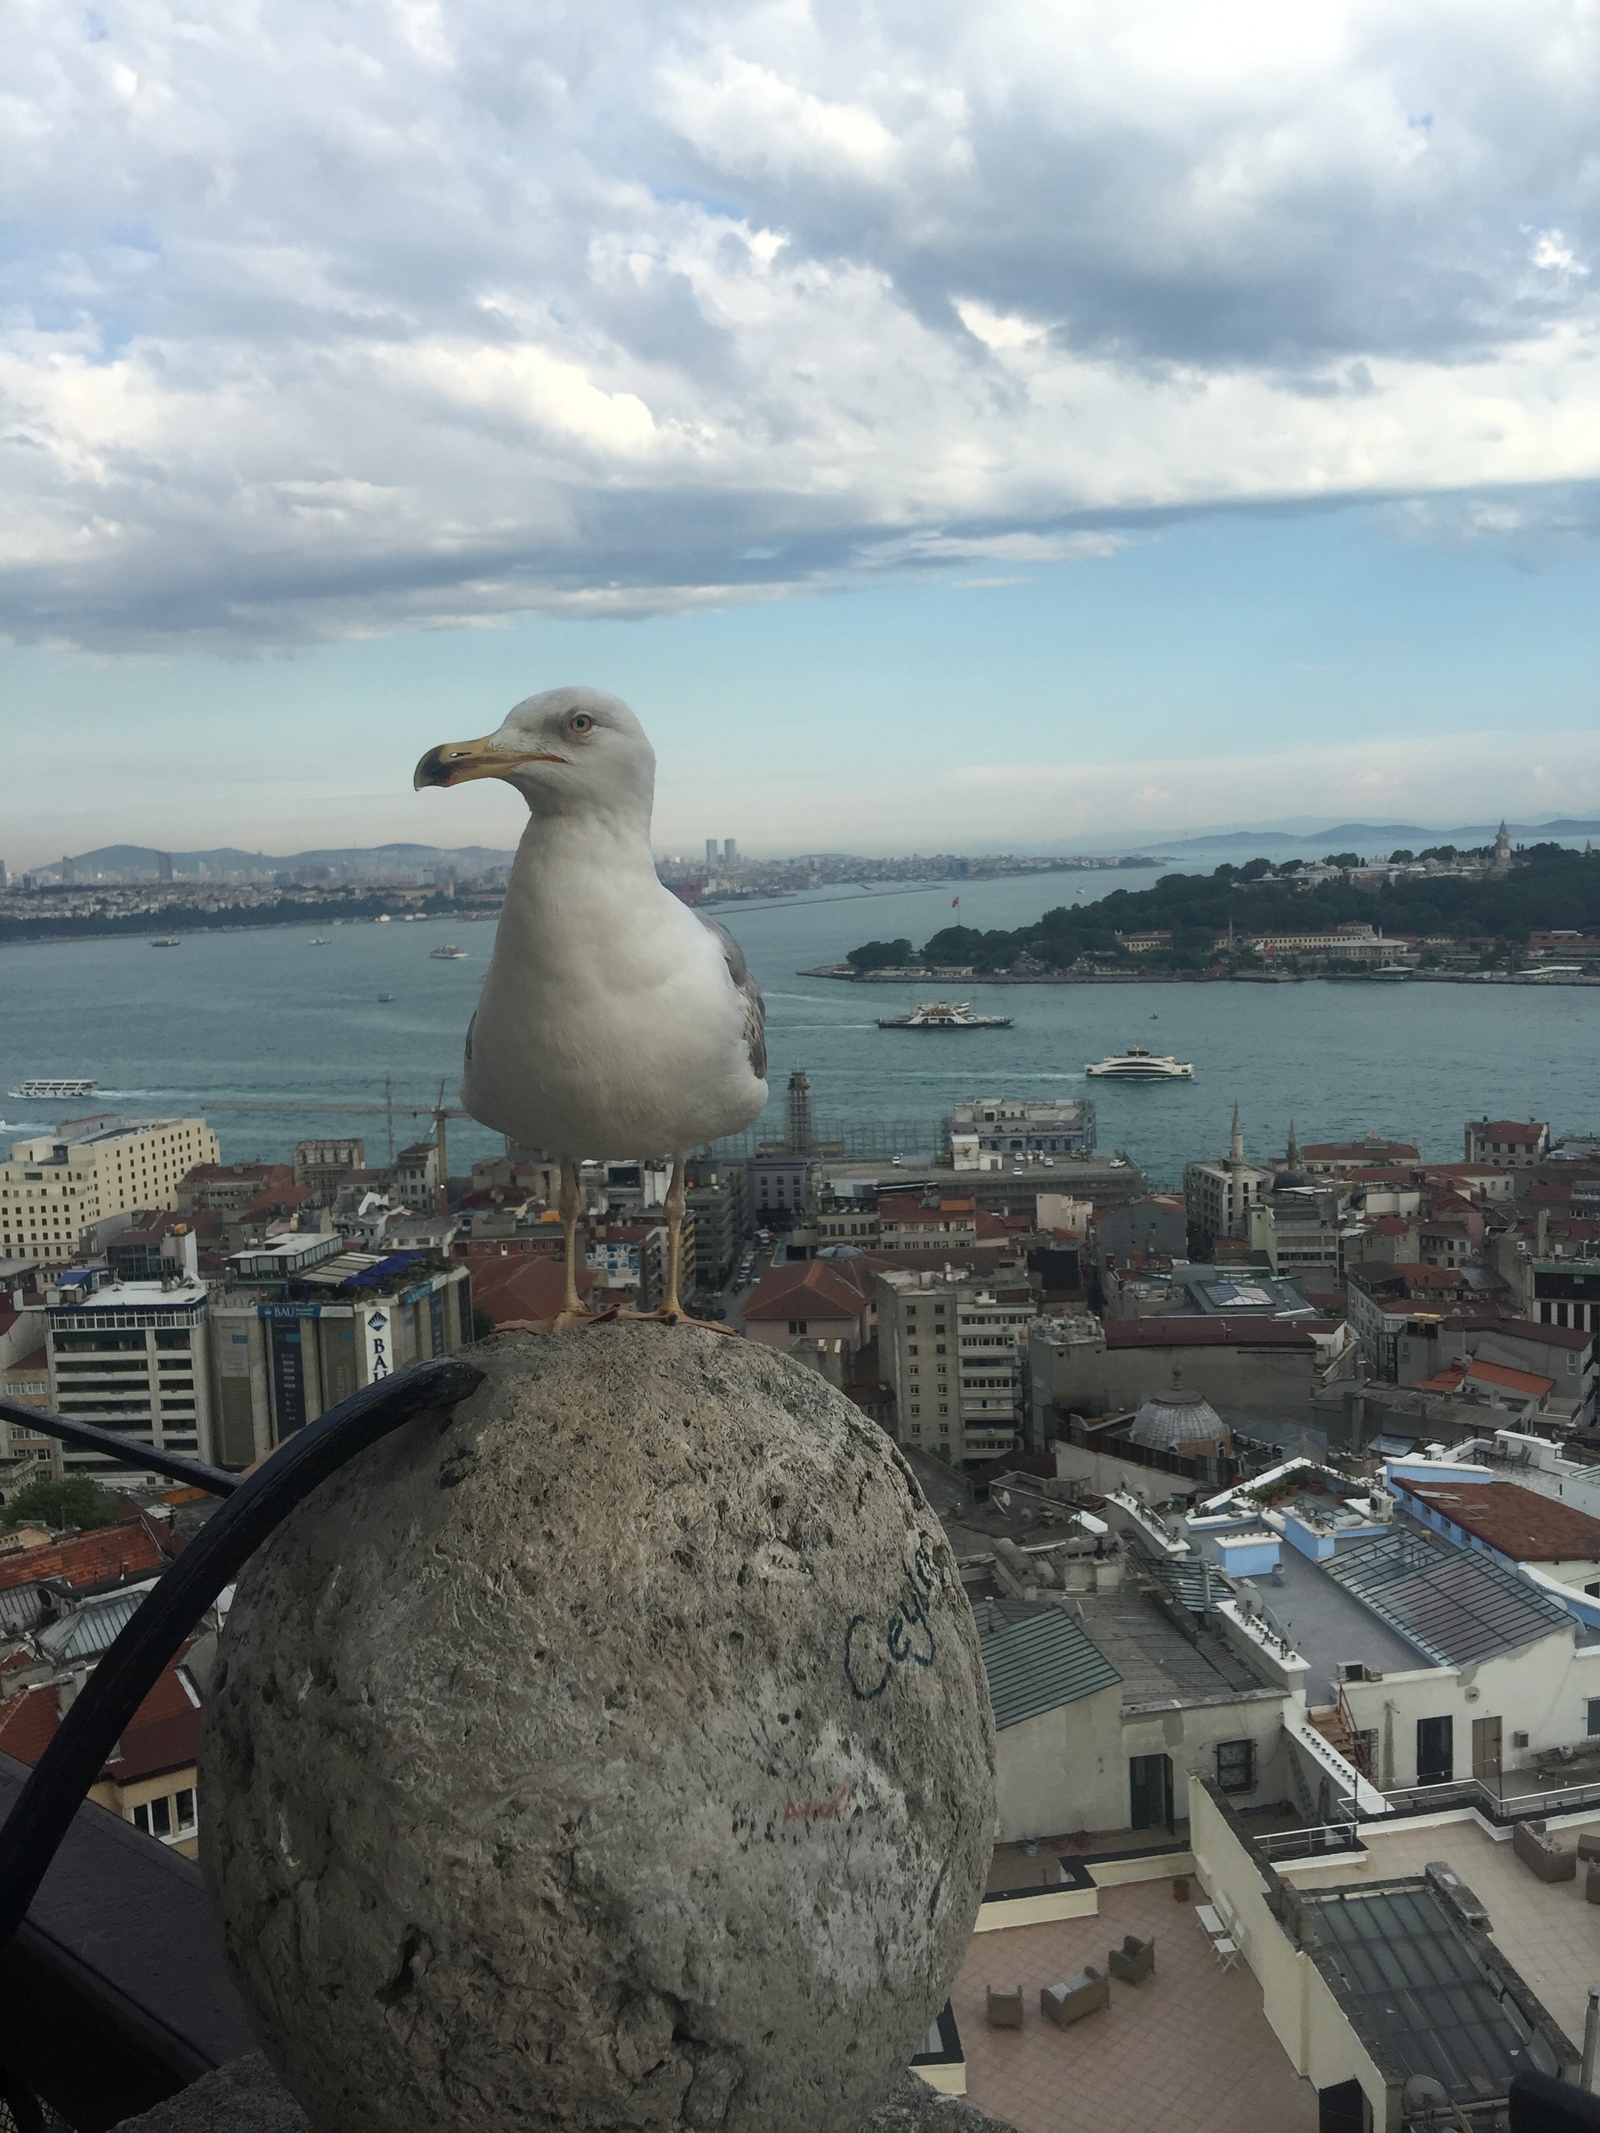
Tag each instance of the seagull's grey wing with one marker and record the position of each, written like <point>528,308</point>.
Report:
<point>755,1008</point>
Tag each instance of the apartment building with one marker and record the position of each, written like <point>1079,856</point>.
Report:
<point>1508,1143</point>
<point>134,1357</point>
<point>303,1323</point>
<point>990,1133</point>
<point>951,1345</point>
<point>58,1185</point>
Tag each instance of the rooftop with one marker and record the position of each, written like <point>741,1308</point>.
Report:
<point>1403,1967</point>
<point>1453,1607</point>
<point>1037,1661</point>
<point>1519,1522</point>
<point>1189,2047</point>
<point>1157,1662</point>
<point>1184,1329</point>
<point>1544,1929</point>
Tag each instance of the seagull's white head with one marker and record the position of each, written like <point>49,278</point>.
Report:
<point>567,751</point>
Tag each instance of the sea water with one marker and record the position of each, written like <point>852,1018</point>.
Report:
<point>264,1019</point>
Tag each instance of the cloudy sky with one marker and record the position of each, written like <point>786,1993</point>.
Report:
<point>946,424</point>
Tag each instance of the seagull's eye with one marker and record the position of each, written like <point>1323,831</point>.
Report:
<point>580,722</point>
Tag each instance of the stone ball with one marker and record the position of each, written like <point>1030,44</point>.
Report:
<point>615,1753</point>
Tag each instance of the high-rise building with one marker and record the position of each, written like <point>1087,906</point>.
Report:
<point>57,1185</point>
<point>711,853</point>
<point>303,1323</point>
<point>951,1344</point>
<point>163,866</point>
<point>133,1356</point>
<point>730,851</point>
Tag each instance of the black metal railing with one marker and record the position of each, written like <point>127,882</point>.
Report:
<point>125,2057</point>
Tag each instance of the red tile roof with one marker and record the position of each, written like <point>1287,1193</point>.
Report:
<point>820,1288</point>
<point>1459,1373</point>
<point>1180,1330</point>
<point>525,1285</point>
<point>1520,1523</point>
<point>163,1734</point>
<point>86,1559</point>
<point>1518,1131</point>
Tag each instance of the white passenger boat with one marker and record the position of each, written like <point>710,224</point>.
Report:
<point>45,1091</point>
<point>1138,1063</point>
<point>449,953</point>
<point>944,1014</point>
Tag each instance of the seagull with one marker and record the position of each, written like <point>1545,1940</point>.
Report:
<point>614,1020</point>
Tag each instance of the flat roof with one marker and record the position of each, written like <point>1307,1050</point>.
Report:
<point>1157,1662</point>
<point>1327,1626</point>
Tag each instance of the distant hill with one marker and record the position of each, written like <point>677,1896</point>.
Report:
<point>227,859</point>
<point>1550,889</point>
<point>1371,837</point>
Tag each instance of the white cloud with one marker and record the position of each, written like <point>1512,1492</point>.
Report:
<point>328,319</point>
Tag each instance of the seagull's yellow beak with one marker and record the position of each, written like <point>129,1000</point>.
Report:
<point>454,762</point>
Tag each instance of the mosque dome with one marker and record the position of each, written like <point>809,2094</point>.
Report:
<point>1178,1420</point>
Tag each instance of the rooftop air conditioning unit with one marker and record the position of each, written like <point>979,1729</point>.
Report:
<point>1519,1740</point>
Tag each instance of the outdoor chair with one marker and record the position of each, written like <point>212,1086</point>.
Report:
<point>1589,1846</point>
<point>1005,2009</point>
<point>1134,1961</point>
<point>1075,1997</point>
<point>1541,1854</point>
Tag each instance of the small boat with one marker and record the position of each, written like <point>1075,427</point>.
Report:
<point>166,940</point>
<point>45,1090</point>
<point>449,953</point>
<point>386,996</point>
<point>1139,1063</point>
<point>944,1014</point>
<point>319,940</point>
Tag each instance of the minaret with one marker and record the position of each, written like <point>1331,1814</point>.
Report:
<point>1502,850</point>
<point>1236,1143</point>
<point>1291,1154</point>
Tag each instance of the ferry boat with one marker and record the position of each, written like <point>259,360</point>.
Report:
<point>166,940</point>
<point>319,940</point>
<point>385,996</point>
<point>1139,1063</point>
<point>449,953</point>
<point>944,1014</point>
<point>38,1091</point>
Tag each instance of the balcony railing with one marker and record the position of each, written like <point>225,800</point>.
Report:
<point>113,1992</point>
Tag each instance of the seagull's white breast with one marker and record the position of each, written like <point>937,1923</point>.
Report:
<point>608,1023</point>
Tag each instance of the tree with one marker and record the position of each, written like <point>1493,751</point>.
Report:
<point>1342,859</point>
<point>1255,869</point>
<point>880,955</point>
<point>482,1323</point>
<point>1401,858</point>
<point>1200,1244</point>
<point>77,1501</point>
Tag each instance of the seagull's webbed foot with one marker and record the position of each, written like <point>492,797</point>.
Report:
<point>667,1317</point>
<point>564,1322</point>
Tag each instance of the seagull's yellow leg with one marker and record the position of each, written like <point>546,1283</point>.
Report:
<point>672,1312</point>
<point>572,1312</point>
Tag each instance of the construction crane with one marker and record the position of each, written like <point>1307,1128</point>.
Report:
<point>292,1106</point>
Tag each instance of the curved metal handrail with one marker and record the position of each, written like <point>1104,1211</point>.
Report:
<point>254,1505</point>
<point>89,1437</point>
